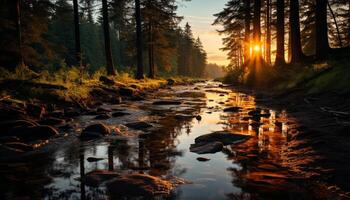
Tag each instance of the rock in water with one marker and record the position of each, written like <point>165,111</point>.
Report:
<point>232,109</point>
<point>204,148</point>
<point>139,185</point>
<point>183,117</point>
<point>34,133</point>
<point>95,131</point>
<point>103,116</point>
<point>225,137</point>
<point>127,91</point>
<point>92,159</point>
<point>201,159</point>
<point>166,102</point>
<point>120,114</point>
<point>139,125</point>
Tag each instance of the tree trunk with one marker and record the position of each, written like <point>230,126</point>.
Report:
<point>77,33</point>
<point>247,19</point>
<point>336,25</point>
<point>10,29</point>
<point>150,44</point>
<point>139,73</point>
<point>108,50</point>
<point>322,44</point>
<point>268,32</point>
<point>280,33</point>
<point>150,51</point>
<point>295,38</point>
<point>257,28</point>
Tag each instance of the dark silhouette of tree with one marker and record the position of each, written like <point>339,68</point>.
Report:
<point>268,32</point>
<point>257,28</point>
<point>295,38</point>
<point>280,60</point>
<point>77,33</point>
<point>139,73</point>
<point>11,56</point>
<point>322,43</point>
<point>247,17</point>
<point>108,51</point>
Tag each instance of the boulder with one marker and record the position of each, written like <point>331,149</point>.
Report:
<point>120,114</point>
<point>139,185</point>
<point>33,133</point>
<point>106,80</point>
<point>232,109</point>
<point>139,125</point>
<point>127,91</point>
<point>96,178</point>
<point>224,137</point>
<point>184,117</point>
<point>103,116</point>
<point>95,131</point>
<point>167,102</point>
<point>171,82</point>
<point>205,148</point>
<point>254,112</point>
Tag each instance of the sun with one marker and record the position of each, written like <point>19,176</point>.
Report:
<point>256,48</point>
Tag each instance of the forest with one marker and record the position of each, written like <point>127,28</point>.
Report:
<point>175,99</point>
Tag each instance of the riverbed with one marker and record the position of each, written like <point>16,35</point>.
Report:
<point>244,170</point>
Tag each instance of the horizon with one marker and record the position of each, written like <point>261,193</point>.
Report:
<point>200,16</point>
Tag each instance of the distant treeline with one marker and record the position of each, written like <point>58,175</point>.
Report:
<point>43,34</point>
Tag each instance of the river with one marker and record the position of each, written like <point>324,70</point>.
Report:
<point>163,150</point>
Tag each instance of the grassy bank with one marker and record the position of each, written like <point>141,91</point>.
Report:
<point>332,75</point>
<point>70,84</point>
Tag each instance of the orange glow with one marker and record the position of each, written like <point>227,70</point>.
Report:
<point>257,48</point>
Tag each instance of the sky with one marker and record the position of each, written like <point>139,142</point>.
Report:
<point>199,14</point>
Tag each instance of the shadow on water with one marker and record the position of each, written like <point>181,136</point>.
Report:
<point>249,170</point>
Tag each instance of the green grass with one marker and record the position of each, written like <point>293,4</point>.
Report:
<point>78,83</point>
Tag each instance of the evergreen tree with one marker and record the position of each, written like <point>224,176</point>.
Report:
<point>107,40</point>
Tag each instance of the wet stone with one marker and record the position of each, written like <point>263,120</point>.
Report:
<point>167,102</point>
<point>202,159</point>
<point>139,125</point>
<point>92,159</point>
<point>183,117</point>
<point>206,148</point>
<point>139,185</point>
<point>103,116</point>
<point>120,114</point>
<point>232,109</point>
<point>224,137</point>
<point>95,131</point>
